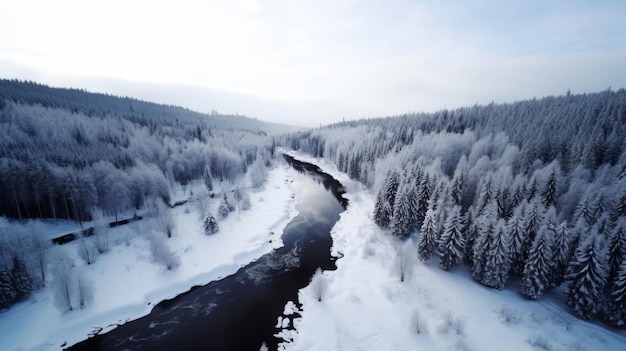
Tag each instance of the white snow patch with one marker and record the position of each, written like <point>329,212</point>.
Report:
<point>127,284</point>
<point>366,307</point>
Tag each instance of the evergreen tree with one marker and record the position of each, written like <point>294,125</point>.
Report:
<point>427,242</point>
<point>405,208</point>
<point>423,198</point>
<point>549,192</point>
<point>616,302</point>
<point>517,238</point>
<point>587,275</point>
<point>497,259</point>
<point>21,278</point>
<point>617,248</point>
<point>225,208</point>
<point>539,267</point>
<point>561,252</point>
<point>531,223</point>
<point>452,241</point>
<point>382,212</point>
<point>210,225</point>
<point>586,209</point>
<point>485,226</point>
<point>208,180</point>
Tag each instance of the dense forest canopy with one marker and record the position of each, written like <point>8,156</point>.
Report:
<point>534,189</point>
<point>66,151</point>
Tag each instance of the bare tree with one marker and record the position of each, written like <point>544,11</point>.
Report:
<point>100,231</point>
<point>161,253</point>
<point>405,259</point>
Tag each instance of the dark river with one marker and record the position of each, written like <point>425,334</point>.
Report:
<point>240,312</point>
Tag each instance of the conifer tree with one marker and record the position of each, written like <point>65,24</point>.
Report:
<point>485,226</point>
<point>423,198</point>
<point>382,212</point>
<point>617,248</point>
<point>587,274</point>
<point>539,267</point>
<point>210,225</point>
<point>616,302</point>
<point>549,192</point>
<point>497,260</point>
<point>452,241</point>
<point>561,253</point>
<point>405,209</point>
<point>208,180</point>
<point>517,238</point>
<point>427,242</point>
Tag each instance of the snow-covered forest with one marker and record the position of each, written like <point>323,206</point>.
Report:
<point>532,192</point>
<point>67,154</point>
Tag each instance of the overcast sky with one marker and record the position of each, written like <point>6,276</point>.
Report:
<point>311,62</point>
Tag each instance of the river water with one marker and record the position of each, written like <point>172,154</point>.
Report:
<point>240,312</point>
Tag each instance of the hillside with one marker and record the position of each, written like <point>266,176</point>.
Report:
<point>532,192</point>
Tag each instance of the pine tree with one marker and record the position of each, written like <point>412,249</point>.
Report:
<point>21,278</point>
<point>452,241</point>
<point>549,192</point>
<point>586,210</point>
<point>485,226</point>
<point>517,238</point>
<point>587,275</point>
<point>427,241</point>
<point>210,225</point>
<point>382,212</point>
<point>405,208</point>
<point>561,252</point>
<point>531,223</point>
<point>617,248</point>
<point>423,198</point>
<point>616,302</point>
<point>497,259</point>
<point>539,267</point>
<point>208,180</point>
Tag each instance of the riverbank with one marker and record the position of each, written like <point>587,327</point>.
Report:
<point>127,284</point>
<point>367,307</point>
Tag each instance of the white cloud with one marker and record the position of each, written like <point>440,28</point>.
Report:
<point>323,58</point>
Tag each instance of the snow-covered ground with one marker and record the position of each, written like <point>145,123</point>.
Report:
<point>366,307</point>
<point>127,283</point>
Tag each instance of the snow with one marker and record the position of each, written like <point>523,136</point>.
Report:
<point>128,284</point>
<point>366,307</point>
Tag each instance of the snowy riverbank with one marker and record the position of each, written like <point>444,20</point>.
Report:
<point>366,307</point>
<point>127,283</point>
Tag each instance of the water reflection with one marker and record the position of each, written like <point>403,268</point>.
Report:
<point>239,312</point>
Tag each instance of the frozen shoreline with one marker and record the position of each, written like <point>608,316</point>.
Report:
<point>127,284</point>
<point>366,307</point>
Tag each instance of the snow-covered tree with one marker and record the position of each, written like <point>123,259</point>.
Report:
<point>404,211</point>
<point>100,231</point>
<point>517,238</point>
<point>587,274</point>
<point>561,252</point>
<point>539,268</point>
<point>208,179</point>
<point>161,252</point>
<point>258,173</point>
<point>617,248</point>
<point>616,301</point>
<point>497,260</point>
<point>452,240</point>
<point>224,208</point>
<point>210,225</point>
<point>429,236</point>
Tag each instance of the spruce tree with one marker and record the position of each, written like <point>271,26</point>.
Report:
<point>405,208</point>
<point>617,248</point>
<point>587,274</point>
<point>616,302</point>
<point>497,259</point>
<point>539,267</point>
<point>427,241</point>
<point>382,212</point>
<point>423,198</point>
<point>210,225</point>
<point>561,252</point>
<point>485,226</point>
<point>517,238</point>
<point>208,180</point>
<point>452,241</point>
<point>549,192</point>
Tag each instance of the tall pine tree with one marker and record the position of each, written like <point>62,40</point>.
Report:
<point>452,241</point>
